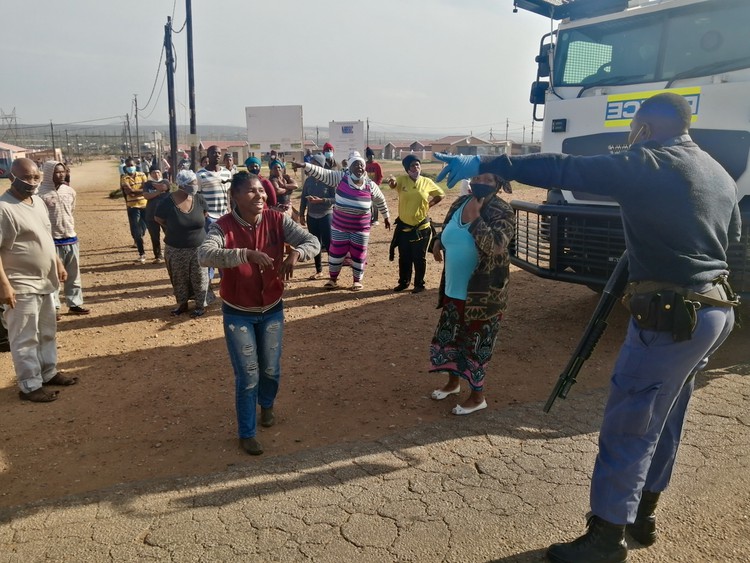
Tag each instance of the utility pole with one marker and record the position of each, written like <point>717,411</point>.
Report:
<point>137,133</point>
<point>317,136</point>
<point>506,128</point>
<point>67,143</point>
<point>367,135</point>
<point>52,131</point>
<point>170,96</point>
<point>524,134</point>
<point>130,136</point>
<point>532,131</point>
<point>191,83</point>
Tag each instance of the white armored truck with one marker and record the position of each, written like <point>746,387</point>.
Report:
<point>593,71</point>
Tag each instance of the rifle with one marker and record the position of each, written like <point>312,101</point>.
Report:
<point>596,327</point>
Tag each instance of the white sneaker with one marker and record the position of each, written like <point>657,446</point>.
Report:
<point>141,259</point>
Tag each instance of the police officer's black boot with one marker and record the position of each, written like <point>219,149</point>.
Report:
<point>603,542</point>
<point>643,530</point>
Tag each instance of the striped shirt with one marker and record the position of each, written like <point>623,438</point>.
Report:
<point>214,186</point>
<point>352,209</point>
<point>61,203</point>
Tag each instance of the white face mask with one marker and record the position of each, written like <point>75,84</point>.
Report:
<point>355,177</point>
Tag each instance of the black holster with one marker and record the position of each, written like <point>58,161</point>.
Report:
<point>664,311</point>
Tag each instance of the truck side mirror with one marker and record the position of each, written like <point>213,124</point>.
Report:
<point>538,92</point>
<point>542,60</point>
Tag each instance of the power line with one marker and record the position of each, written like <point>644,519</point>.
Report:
<point>158,97</point>
<point>156,78</point>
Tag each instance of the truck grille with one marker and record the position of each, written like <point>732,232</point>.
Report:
<point>581,244</point>
<point>575,244</point>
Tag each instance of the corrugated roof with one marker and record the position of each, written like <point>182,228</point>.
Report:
<point>14,148</point>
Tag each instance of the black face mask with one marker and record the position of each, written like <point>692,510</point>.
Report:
<point>24,187</point>
<point>480,191</point>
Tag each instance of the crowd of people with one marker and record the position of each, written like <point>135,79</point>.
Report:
<point>244,225</point>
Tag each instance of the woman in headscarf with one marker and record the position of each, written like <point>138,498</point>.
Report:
<point>183,215</point>
<point>350,222</point>
<point>416,196</point>
<point>473,289</point>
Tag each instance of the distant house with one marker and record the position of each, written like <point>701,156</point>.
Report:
<point>465,144</point>
<point>238,149</point>
<point>8,153</point>
<point>525,148</point>
<point>377,150</point>
<point>398,150</point>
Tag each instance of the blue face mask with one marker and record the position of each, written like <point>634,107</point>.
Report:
<point>130,169</point>
<point>328,154</point>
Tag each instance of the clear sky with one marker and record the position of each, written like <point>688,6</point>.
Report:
<point>426,66</point>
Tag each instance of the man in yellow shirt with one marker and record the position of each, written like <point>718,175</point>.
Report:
<point>131,183</point>
<point>416,195</point>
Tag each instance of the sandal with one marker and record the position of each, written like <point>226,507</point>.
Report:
<point>61,380</point>
<point>316,276</point>
<point>331,284</point>
<point>197,313</point>
<point>39,396</point>
<point>357,286</point>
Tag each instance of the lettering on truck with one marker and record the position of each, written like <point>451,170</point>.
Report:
<point>621,108</point>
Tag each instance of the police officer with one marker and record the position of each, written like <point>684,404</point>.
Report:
<point>680,254</point>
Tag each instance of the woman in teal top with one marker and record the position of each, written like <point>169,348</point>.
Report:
<point>473,290</point>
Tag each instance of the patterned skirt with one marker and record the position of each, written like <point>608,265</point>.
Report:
<point>189,279</point>
<point>461,347</point>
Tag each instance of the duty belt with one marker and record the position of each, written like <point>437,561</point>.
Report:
<point>720,295</point>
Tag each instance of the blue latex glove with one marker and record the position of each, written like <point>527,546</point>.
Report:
<point>460,167</point>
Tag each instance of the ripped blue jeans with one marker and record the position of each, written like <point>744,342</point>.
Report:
<point>254,344</point>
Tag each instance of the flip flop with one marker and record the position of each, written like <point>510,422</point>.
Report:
<point>316,276</point>
<point>459,410</point>
<point>331,284</point>
<point>439,394</point>
<point>356,286</point>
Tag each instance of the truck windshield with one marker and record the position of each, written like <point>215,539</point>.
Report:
<point>695,40</point>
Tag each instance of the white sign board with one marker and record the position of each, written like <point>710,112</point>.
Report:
<point>274,127</point>
<point>347,136</point>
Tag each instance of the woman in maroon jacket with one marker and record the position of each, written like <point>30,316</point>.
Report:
<point>248,246</point>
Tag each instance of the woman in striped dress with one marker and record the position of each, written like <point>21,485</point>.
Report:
<point>350,222</point>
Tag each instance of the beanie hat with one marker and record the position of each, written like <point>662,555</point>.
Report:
<point>353,157</point>
<point>409,160</point>
<point>319,159</point>
<point>252,160</point>
<point>328,147</point>
<point>275,163</point>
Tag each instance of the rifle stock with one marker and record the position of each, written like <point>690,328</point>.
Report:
<point>594,331</point>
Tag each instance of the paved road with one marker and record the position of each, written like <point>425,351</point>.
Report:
<point>499,486</point>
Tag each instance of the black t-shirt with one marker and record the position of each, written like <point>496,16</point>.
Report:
<point>184,230</point>
<point>150,187</point>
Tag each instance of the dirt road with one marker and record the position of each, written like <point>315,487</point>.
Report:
<point>155,397</point>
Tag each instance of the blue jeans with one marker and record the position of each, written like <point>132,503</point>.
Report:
<point>650,390</point>
<point>254,343</point>
<point>137,220</point>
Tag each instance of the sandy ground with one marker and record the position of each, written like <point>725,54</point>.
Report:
<point>156,393</point>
